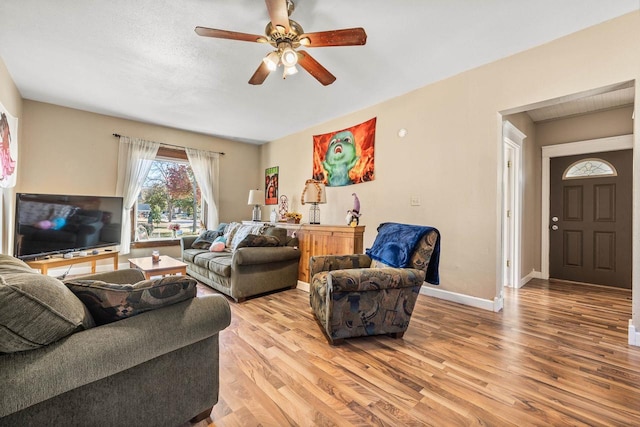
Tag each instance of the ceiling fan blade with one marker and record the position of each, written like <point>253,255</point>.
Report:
<point>231,35</point>
<point>346,37</point>
<point>260,75</point>
<point>278,13</point>
<point>314,68</point>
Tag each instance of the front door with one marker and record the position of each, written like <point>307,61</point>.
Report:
<point>590,224</point>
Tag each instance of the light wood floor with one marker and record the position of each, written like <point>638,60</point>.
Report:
<point>556,355</point>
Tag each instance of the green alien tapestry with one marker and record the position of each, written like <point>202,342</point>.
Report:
<point>346,156</point>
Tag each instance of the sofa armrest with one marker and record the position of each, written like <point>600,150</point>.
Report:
<point>337,262</point>
<point>369,279</point>
<point>123,277</point>
<point>264,255</point>
<point>100,352</point>
<point>186,242</point>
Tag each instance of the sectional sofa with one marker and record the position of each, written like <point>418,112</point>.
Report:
<point>59,366</point>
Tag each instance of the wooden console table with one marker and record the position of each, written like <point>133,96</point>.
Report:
<point>324,240</point>
<point>45,264</point>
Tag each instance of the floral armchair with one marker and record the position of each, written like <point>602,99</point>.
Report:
<point>361,295</point>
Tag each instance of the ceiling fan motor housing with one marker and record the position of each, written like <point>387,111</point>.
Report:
<point>277,35</point>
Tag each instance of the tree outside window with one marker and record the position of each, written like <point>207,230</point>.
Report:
<point>169,204</point>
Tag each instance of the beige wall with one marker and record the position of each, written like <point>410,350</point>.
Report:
<point>71,151</point>
<point>450,157</point>
<point>12,101</point>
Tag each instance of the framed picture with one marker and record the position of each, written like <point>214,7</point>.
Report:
<point>271,186</point>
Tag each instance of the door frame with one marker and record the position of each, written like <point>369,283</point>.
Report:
<point>615,143</point>
<point>512,141</point>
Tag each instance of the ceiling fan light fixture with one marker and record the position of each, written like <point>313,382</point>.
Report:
<point>289,71</point>
<point>305,41</point>
<point>289,57</point>
<point>271,60</point>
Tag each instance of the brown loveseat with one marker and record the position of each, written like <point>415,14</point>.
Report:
<point>157,368</point>
<point>248,266</point>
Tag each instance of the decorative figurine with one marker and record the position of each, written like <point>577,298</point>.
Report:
<point>353,215</point>
<point>283,207</point>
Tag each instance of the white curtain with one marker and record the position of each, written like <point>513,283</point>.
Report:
<point>205,166</point>
<point>135,157</point>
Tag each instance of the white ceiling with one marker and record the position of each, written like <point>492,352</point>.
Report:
<point>142,60</point>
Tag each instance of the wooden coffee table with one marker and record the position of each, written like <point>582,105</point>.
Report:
<point>165,266</point>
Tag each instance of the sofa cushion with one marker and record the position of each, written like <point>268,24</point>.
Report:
<point>189,255</point>
<point>205,239</point>
<point>35,310</point>
<point>220,265</point>
<point>109,302</point>
<point>258,240</point>
<point>216,262</point>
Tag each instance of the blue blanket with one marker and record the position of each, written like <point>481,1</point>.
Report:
<point>395,244</point>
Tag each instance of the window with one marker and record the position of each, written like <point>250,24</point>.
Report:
<point>169,204</point>
<point>589,168</point>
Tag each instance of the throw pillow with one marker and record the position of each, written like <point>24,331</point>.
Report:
<point>230,231</point>
<point>205,239</point>
<point>258,240</point>
<point>278,232</point>
<point>109,302</point>
<point>243,231</point>
<point>218,245</point>
<point>37,310</point>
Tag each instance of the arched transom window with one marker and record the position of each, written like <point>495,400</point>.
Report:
<point>589,168</point>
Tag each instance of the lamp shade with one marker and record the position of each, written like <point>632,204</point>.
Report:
<point>256,198</point>
<point>314,192</point>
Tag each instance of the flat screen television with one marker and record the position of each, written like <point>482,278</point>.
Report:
<point>47,224</point>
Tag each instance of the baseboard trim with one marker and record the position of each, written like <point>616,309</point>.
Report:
<point>495,305</point>
<point>304,286</point>
<point>532,275</point>
<point>634,335</point>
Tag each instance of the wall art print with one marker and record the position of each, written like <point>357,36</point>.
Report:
<point>8,148</point>
<point>346,156</point>
<point>271,186</point>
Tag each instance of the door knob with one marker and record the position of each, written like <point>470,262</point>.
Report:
<point>554,219</point>
<point>554,227</point>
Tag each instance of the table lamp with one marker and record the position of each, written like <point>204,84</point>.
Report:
<point>256,198</point>
<point>313,193</point>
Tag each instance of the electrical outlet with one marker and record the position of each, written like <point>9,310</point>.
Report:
<point>415,201</point>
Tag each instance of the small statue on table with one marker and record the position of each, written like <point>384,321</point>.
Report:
<point>353,215</point>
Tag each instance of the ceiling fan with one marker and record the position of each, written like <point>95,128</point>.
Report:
<point>286,35</point>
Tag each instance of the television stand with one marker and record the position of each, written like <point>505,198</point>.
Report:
<point>45,264</point>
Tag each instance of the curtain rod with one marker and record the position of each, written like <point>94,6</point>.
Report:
<point>117,135</point>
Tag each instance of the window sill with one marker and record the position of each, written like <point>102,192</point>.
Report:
<point>155,243</point>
